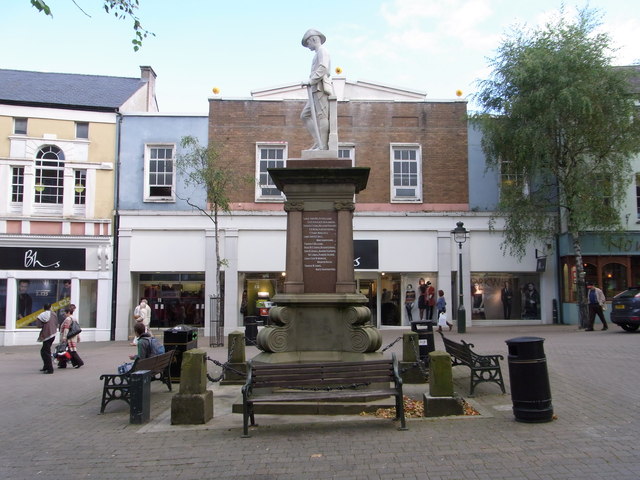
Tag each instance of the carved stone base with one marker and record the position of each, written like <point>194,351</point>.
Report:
<point>320,322</point>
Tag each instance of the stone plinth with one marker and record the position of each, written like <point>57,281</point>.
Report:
<point>193,405</point>
<point>319,314</point>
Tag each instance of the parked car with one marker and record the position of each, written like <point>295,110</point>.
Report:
<point>625,309</point>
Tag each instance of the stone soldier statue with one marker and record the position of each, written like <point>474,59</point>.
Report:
<point>315,114</point>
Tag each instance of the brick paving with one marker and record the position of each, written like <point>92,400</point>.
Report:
<point>48,420</point>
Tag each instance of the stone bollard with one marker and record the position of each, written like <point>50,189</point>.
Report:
<point>440,401</point>
<point>193,405</point>
<point>237,360</point>
<point>410,372</point>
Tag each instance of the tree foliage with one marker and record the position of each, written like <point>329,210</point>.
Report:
<point>121,9</point>
<point>561,120</point>
<point>201,168</point>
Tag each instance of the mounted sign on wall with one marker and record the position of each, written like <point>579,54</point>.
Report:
<point>36,258</point>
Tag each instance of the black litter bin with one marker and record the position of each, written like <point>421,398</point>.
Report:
<point>179,338</point>
<point>250,330</point>
<point>530,391</point>
<point>426,344</point>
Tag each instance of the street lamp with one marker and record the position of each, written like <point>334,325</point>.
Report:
<point>460,236</point>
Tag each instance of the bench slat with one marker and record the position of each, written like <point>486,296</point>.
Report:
<point>320,381</point>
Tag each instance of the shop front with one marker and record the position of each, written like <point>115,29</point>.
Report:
<point>612,263</point>
<point>31,277</point>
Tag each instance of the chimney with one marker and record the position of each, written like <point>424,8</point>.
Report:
<point>149,76</point>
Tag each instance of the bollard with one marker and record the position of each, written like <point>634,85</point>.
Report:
<point>237,359</point>
<point>140,397</point>
<point>193,405</point>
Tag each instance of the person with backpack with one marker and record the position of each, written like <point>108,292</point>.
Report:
<point>148,346</point>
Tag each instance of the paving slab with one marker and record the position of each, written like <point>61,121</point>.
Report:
<point>595,390</point>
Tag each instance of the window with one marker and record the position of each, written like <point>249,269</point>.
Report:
<point>82,130</point>
<point>406,178</point>
<point>17,184</point>
<point>20,126</point>
<point>80,187</point>
<point>269,156</point>
<point>511,178</point>
<point>160,173</point>
<point>49,175</point>
<point>347,153</point>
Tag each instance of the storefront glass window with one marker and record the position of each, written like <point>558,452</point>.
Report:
<point>390,313</point>
<point>88,309</point>
<point>614,279</point>
<point>257,293</point>
<point>508,296</point>
<point>174,298</point>
<point>33,294</point>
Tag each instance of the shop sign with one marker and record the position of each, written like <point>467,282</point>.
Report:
<point>36,258</point>
<point>365,254</point>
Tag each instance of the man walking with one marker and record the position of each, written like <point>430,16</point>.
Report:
<point>596,301</point>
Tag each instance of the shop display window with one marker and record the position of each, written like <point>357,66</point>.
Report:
<point>33,294</point>
<point>507,296</point>
<point>174,298</point>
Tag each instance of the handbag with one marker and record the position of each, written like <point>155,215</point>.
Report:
<point>74,329</point>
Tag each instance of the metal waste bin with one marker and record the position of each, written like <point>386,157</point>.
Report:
<point>179,338</point>
<point>530,390</point>
<point>250,330</point>
<point>426,344</point>
<point>140,397</point>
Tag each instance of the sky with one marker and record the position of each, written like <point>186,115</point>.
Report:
<point>433,46</point>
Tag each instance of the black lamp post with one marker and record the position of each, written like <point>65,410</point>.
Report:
<point>460,236</point>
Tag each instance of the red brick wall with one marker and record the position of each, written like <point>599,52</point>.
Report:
<point>439,127</point>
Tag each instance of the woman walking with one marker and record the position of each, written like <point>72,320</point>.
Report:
<point>72,344</point>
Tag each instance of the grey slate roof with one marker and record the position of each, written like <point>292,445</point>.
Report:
<point>90,92</point>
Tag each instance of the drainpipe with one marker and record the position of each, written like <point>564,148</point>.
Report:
<point>116,228</point>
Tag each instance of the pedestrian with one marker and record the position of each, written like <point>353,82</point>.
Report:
<point>144,345</point>
<point>48,322</point>
<point>597,301</point>
<point>441,307</point>
<point>72,343</point>
<point>142,314</point>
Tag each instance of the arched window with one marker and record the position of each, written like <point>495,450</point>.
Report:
<point>49,175</point>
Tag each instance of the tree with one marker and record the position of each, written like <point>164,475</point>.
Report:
<point>559,119</point>
<point>120,8</point>
<point>201,167</point>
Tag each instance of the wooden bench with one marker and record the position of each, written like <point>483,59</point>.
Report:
<point>484,368</point>
<point>293,382</point>
<point>116,385</point>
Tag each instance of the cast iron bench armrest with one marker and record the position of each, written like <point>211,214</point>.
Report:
<point>116,385</point>
<point>321,381</point>
<point>484,368</point>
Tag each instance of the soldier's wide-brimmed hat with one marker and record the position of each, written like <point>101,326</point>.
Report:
<point>310,33</point>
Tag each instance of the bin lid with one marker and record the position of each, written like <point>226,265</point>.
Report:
<point>519,340</point>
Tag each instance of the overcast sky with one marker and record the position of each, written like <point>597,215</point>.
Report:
<point>433,46</point>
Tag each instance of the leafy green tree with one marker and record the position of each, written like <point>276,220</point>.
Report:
<point>561,123</point>
<point>121,9</point>
<point>201,167</point>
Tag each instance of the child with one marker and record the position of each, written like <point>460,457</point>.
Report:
<point>442,320</point>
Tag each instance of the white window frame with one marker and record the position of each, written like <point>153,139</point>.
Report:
<point>147,196</point>
<point>260,196</point>
<point>17,187</point>
<point>347,151</point>
<point>396,189</point>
